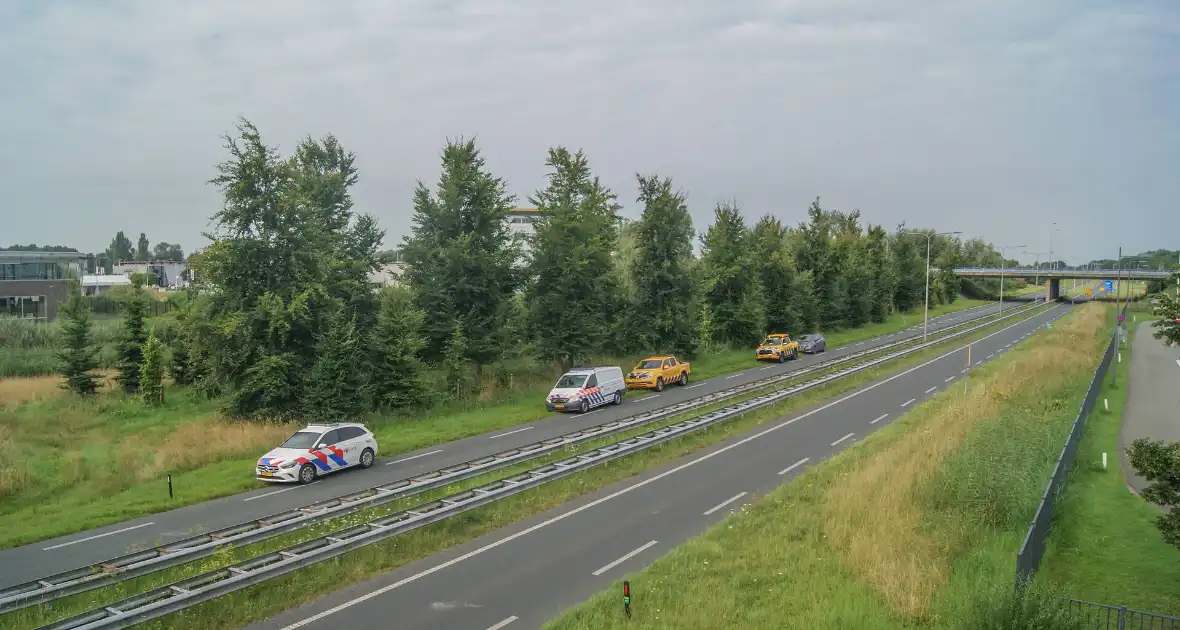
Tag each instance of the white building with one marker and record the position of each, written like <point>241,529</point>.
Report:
<point>167,273</point>
<point>96,285</point>
<point>521,220</point>
<point>386,275</point>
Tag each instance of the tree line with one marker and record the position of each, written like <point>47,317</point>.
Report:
<point>282,322</point>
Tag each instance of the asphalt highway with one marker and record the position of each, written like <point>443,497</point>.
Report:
<point>521,576</point>
<point>30,562</point>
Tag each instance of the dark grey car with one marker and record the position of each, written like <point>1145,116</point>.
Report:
<point>813,343</point>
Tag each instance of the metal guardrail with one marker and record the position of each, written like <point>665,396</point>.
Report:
<point>162,557</point>
<point>1028,559</point>
<point>210,585</point>
<point>1103,617</point>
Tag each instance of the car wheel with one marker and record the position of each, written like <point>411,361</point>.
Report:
<point>683,379</point>
<point>366,458</point>
<point>307,474</point>
<point>782,357</point>
<point>660,384</point>
<point>618,398</point>
<point>584,407</point>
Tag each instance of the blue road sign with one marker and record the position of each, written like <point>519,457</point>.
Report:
<point>1108,285</point>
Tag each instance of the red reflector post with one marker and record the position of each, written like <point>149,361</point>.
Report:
<point>627,598</point>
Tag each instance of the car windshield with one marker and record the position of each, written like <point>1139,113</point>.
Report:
<point>772,341</point>
<point>571,381</point>
<point>808,338</point>
<point>649,364</point>
<point>302,439</point>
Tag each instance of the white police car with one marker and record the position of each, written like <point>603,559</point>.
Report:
<point>316,450</point>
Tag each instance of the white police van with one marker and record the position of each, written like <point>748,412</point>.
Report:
<point>583,388</point>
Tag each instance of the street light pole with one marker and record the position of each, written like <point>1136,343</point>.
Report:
<point>926,302</point>
<point>1003,254</point>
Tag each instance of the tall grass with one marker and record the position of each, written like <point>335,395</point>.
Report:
<point>27,347</point>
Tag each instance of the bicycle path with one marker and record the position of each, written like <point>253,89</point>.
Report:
<point>1153,397</point>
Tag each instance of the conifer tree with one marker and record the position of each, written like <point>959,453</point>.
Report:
<point>461,259</point>
<point>132,337</point>
<point>455,364</point>
<point>665,315</point>
<point>573,296</point>
<point>776,276</point>
<point>731,287</point>
<point>77,354</point>
<point>151,372</point>
<point>336,388</point>
<point>398,375</point>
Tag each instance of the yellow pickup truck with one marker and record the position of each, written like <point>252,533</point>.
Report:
<point>777,347</point>
<point>655,372</point>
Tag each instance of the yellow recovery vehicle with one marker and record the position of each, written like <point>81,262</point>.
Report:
<point>777,347</point>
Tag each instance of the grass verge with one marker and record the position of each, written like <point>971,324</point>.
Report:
<point>1106,547</point>
<point>262,601</point>
<point>106,460</point>
<point>916,526</point>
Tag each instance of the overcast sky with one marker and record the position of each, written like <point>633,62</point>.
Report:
<point>993,117</point>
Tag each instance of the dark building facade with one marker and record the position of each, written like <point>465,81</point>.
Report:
<point>34,284</point>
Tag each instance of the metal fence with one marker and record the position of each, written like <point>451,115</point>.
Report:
<point>102,305</point>
<point>1029,557</point>
<point>1103,617</point>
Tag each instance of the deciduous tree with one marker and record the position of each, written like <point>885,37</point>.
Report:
<point>1159,463</point>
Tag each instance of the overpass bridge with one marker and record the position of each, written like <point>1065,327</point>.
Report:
<point>1055,276</point>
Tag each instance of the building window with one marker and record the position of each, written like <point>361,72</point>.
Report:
<point>31,271</point>
<point>25,306</point>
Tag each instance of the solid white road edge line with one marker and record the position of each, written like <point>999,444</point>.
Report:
<point>794,466</point>
<point>618,493</point>
<point>625,558</point>
<point>724,503</point>
<point>406,459</point>
<point>500,435</point>
<point>117,531</point>
<point>879,418</point>
<point>503,623</point>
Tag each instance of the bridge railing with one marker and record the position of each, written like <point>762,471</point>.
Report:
<point>1130,274</point>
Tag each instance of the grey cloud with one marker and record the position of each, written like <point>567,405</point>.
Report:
<point>972,115</point>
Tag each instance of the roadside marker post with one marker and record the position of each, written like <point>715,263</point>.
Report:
<point>1104,461</point>
<point>169,485</point>
<point>627,598</point>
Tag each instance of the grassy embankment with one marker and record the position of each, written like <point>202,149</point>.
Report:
<point>84,464</point>
<point>1106,547</point>
<point>276,595</point>
<point>917,526</point>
